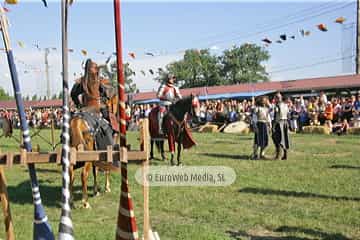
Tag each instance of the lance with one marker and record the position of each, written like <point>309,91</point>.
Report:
<point>65,226</point>
<point>126,223</point>
<point>42,229</point>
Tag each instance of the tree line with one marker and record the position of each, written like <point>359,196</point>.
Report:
<point>197,68</point>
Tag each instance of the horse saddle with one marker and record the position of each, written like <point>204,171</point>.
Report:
<point>99,128</point>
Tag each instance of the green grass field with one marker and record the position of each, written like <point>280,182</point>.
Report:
<point>313,195</point>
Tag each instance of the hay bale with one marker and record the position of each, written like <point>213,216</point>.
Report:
<point>317,130</point>
<point>208,128</point>
<point>239,127</point>
<point>354,130</point>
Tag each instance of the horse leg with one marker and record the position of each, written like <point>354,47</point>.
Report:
<point>161,143</point>
<point>151,149</point>
<point>72,178</point>
<point>96,187</point>
<point>107,182</point>
<point>171,142</point>
<point>84,178</point>
<point>179,150</point>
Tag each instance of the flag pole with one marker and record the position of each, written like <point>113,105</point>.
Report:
<point>42,229</point>
<point>66,231</point>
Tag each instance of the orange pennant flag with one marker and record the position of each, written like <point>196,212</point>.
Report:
<point>340,20</point>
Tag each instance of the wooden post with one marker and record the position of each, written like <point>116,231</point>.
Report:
<point>144,146</point>
<point>52,130</point>
<point>5,204</point>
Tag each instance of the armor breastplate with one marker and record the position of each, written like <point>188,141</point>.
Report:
<point>169,94</point>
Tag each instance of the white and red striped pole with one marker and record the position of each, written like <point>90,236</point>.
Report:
<point>126,223</point>
<point>120,73</point>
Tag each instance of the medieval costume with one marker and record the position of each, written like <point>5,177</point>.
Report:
<point>280,130</point>
<point>90,93</point>
<point>262,122</point>
<point>168,93</point>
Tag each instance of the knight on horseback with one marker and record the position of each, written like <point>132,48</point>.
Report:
<point>168,93</point>
<point>91,94</point>
<point>94,126</point>
<point>169,120</point>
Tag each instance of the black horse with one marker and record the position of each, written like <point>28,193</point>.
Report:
<point>175,128</point>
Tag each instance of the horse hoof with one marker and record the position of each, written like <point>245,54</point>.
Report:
<point>96,194</point>
<point>108,190</point>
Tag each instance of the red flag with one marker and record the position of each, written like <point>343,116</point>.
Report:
<point>132,55</point>
<point>322,27</point>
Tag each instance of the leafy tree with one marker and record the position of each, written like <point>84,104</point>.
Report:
<point>34,97</point>
<point>54,96</point>
<point>244,64</point>
<point>130,86</point>
<point>197,68</point>
<point>60,96</point>
<point>4,95</point>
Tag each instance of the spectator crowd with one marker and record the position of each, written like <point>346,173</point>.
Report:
<point>37,118</point>
<point>337,112</point>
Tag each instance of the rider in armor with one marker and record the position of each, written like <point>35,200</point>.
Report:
<point>90,93</point>
<point>168,93</point>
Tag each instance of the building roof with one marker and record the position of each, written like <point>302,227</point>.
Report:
<point>317,84</point>
<point>11,104</point>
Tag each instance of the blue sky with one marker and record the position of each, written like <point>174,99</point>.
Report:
<point>166,29</point>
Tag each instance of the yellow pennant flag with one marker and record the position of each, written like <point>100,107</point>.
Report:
<point>21,44</point>
<point>11,1</point>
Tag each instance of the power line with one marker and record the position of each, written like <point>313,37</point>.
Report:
<point>275,27</point>
<point>311,65</point>
<point>338,54</point>
<point>288,17</point>
<point>282,25</point>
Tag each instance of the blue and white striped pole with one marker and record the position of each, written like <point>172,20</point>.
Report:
<point>65,226</point>
<point>42,229</point>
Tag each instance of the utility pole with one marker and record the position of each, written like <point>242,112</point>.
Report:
<point>357,37</point>
<point>47,51</point>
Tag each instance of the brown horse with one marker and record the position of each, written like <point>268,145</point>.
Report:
<point>81,136</point>
<point>175,127</point>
